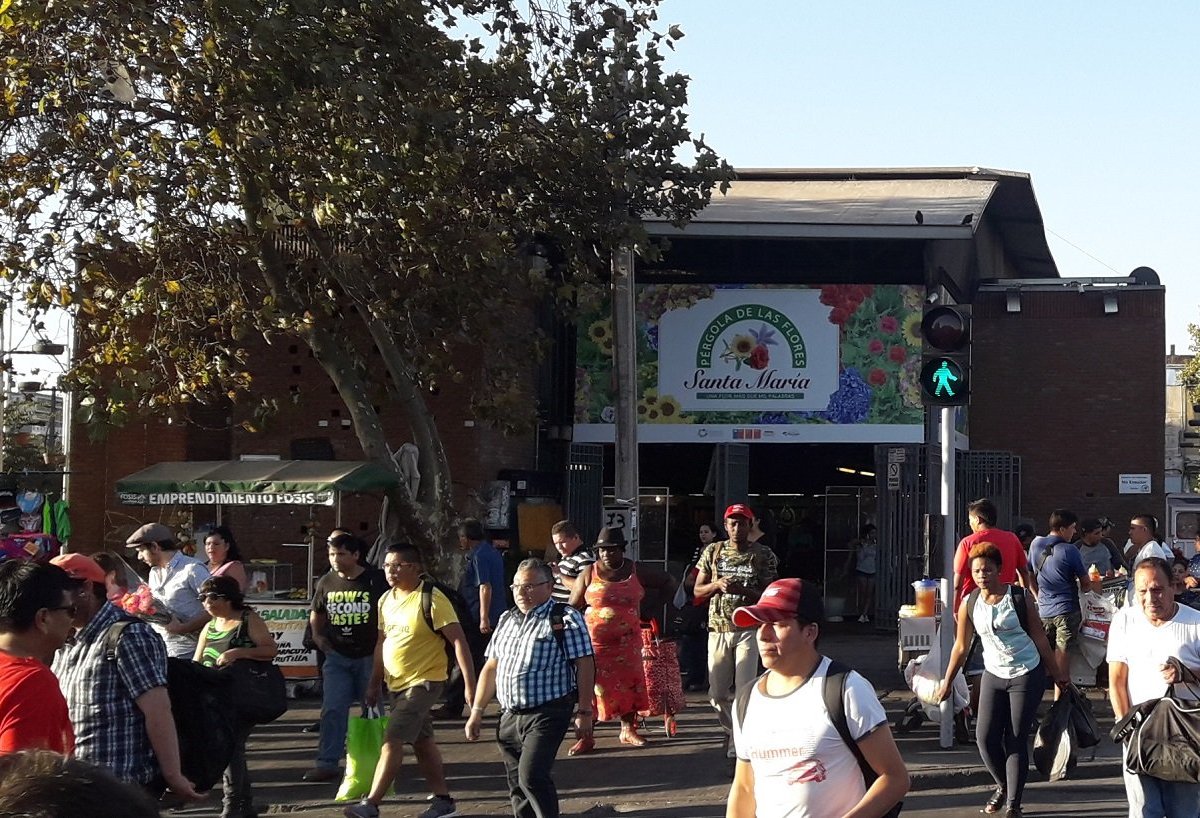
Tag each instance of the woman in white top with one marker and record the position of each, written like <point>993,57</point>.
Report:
<point>1016,660</point>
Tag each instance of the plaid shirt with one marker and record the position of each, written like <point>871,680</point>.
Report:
<point>110,730</point>
<point>531,668</point>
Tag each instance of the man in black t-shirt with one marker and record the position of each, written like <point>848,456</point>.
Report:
<point>345,625</point>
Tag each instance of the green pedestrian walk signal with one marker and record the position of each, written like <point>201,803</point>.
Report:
<point>946,356</point>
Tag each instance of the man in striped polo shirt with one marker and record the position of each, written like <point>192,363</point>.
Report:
<point>540,667</point>
<point>573,558</point>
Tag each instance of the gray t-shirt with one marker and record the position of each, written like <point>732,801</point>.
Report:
<point>1097,555</point>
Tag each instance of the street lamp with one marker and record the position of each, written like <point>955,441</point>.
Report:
<point>40,347</point>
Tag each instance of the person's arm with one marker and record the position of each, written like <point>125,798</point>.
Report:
<point>200,645</point>
<point>238,572</point>
<point>485,689</point>
<point>582,581</point>
<point>371,696</point>
<point>741,794</point>
<point>155,705</point>
<point>485,607</point>
<point>880,751</point>
<point>707,583</point>
<point>1026,580</point>
<point>264,648</point>
<point>1060,675</point>
<point>585,681</point>
<point>1118,690</point>
<point>453,633</point>
<point>318,621</point>
<point>963,634</point>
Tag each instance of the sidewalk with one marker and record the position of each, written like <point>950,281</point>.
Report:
<point>683,777</point>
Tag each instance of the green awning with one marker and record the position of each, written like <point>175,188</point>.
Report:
<point>252,482</point>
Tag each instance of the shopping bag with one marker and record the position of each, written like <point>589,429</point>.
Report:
<point>925,677</point>
<point>1054,744</point>
<point>364,740</point>
<point>1083,720</point>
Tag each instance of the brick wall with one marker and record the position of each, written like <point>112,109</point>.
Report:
<point>1078,394</point>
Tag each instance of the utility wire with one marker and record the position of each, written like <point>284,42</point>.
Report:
<point>1085,252</point>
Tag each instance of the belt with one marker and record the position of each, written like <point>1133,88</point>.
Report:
<point>537,708</point>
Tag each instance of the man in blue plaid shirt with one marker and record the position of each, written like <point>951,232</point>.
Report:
<point>119,707</point>
<point>542,656</point>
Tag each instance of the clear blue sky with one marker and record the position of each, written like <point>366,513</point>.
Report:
<point>1097,101</point>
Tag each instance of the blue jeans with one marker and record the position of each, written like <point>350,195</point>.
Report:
<point>1154,798</point>
<point>344,682</point>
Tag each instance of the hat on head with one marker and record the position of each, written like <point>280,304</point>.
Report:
<point>739,510</point>
<point>79,566</point>
<point>783,599</point>
<point>612,537</point>
<point>150,532</point>
<point>1091,524</point>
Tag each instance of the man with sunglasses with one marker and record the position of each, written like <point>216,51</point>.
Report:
<point>36,611</point>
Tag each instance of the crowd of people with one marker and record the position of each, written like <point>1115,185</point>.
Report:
<point>805,735</point>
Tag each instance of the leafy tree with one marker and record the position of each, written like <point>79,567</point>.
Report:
<point>349,174</point>
<point>1189,376</point>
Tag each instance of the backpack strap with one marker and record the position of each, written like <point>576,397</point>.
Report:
<point>427,604</point>
<point>972,598</point>
<point>742,700</point>
<point>112,636</point>
<point>1018,599</point>
<point>833,693</point>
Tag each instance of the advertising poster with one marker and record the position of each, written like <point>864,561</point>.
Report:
<point>286,621</point>
<point>833,363</point>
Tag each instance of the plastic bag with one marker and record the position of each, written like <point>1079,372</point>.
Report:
<point>1083,720</point>
<point>364,740</point>
<point>1054,744</point>
<point>1098,611</point>
<point>923,676</point>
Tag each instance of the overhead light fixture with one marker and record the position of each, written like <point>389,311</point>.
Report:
<point>845,470</point>
<point>867,473</point>
<point>1110,304</point>
<point>1012,300</point>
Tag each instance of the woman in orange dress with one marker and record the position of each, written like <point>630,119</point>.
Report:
<point>614,592</point>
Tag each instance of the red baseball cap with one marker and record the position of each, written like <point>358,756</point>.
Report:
<point>783,599</point>
<point>79,566</point>
<point>739,510</point>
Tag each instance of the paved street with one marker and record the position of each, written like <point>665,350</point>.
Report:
<point>685,777</point>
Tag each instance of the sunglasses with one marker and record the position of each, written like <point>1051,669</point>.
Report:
<point>211,595</point>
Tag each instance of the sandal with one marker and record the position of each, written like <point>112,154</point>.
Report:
<point>584,745</point>
<point>994,803</point>
<point>631,736</point>
<point>670,727</point>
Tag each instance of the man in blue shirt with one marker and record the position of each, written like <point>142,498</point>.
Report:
<point>1061,575</point>
<point>482,589</point>
<point>541,668</point>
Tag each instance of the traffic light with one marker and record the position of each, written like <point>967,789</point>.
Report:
<point>946,356</point>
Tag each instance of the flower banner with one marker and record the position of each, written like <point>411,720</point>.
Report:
<point>761,363</point>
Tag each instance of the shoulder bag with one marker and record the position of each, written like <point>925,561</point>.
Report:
<point>1163,735</point>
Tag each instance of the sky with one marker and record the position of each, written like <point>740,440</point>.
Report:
<point>1097,101</point>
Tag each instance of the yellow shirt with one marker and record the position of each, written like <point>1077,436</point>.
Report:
<point>412,653</point>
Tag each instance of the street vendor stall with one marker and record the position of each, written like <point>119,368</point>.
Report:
<point>265,484</point>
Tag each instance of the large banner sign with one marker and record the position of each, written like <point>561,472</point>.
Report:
<point>834,363</point>
<point>227,498</point>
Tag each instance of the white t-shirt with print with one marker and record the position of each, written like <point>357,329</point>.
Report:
<point>802,768</point>
<point>1144,648</point>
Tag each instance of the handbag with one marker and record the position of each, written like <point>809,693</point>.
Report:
<point>1163,735</point>
<point>257,690</point>
<point>364,741</point>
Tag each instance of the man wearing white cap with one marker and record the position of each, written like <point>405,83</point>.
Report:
<point>175,580</point>
<point>812,738</point>
<point>732,573</point>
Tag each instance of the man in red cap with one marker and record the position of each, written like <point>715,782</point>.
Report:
<point>793,750</point>
<point>732,573</point>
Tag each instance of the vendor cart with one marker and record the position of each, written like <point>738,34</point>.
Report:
<point>265,484</point>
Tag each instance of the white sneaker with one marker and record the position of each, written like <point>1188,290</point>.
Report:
<point>864,619</point>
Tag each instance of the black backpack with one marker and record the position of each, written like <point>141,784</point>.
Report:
<point>456,600</point>
<point>200,708</point>
<point>832,692</point>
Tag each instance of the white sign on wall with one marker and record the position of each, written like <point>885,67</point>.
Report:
<point>1133,484</point>
<point>750,350</point>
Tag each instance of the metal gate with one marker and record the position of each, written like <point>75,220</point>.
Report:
<point>847,510</point>
<point>995,475</point>
<point>900,516</point>
<point>728,476</point>
<point>585,484</point>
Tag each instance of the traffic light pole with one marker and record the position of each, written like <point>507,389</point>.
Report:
<point>947,630</point>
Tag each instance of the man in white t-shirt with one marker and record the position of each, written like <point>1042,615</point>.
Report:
<point>791,761</point>
<point>1142,543</point>
<point>1141,639</point>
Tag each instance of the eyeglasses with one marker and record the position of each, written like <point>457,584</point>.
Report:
<point>526,587</point>
<point>70,609</point>
<point>388,566</point>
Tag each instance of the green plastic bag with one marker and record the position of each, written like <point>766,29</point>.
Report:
<point>364,740</point>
